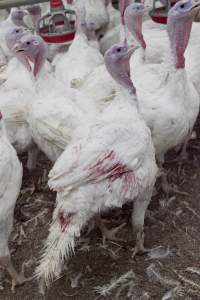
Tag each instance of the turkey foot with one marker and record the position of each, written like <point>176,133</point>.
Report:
<point>170,189</point>
<point>17,279</point>
<point>139,246</point>
<point>109,234</point>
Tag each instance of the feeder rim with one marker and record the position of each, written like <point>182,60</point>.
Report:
<point>15,3</point>
<point>153,13</point>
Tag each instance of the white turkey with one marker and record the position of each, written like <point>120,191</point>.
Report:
<point>91,34</point>
<point>33,16</point>
<point>153,42</point>
<point>54,111</point>
<point>110,34</point>
<point>113,164</point>
<point>168,101</point>
<point>96,11</point>
<point>80,59</point>
<point>10,184</point>
<point>16,95</point>
<point>15,18</point>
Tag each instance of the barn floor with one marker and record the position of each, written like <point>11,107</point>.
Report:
<point>97,271</point>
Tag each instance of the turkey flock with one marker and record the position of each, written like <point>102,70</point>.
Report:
<point>104,110</point>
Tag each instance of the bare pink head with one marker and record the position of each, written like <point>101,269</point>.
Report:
<point>133,16</point>
<point>34,49</point>
<point>35,12</point>
<point>17,16</point>
<point>14,35</point>
<point>117,63</point>
<point>179,24</point>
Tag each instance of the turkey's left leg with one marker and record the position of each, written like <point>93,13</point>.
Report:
<point>17,279</point>
<point>32,158</point>
<point>138,215</point>
<point>5,260</point>
<point>109,234</point>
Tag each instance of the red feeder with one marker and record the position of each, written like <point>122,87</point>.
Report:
<point>159,14</point>
<point>58,26</point>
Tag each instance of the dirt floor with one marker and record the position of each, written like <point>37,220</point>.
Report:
<point>97,271</point>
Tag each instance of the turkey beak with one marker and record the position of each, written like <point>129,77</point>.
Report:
<point>17,48</point>
<point>131,50</point>
<point>196,6</point>
<point>25,12</point>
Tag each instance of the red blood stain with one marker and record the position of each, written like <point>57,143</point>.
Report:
<point>114,172</point>
<point>99,162</point>
<point>64,219</point>
<point>101,167</point>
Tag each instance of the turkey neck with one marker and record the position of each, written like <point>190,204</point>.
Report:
<point>91,34</point>
<point>121,73</point>
<point>179,30</point>
<point>122,6</point>
<point>134,25</point>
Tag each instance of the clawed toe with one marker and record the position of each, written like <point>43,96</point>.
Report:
<point>17,279</point>
<point>139,246</point>
<point>109,234</point>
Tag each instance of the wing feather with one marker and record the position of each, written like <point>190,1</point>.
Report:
<point>99,157</point>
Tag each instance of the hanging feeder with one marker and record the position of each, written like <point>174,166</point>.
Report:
<point>159,13</point>
<point>4,4</point>
<point>58,26</point>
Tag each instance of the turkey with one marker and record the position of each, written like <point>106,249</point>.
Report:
<point>55,111</point>
<point>81,58</point>
<point>33,16</point>
<point>168,100</point>
<point>17,93</point>
<point>110,34</point>
<point>153,43</point>
<point>58,111</point>
<point>114,163</point>
<point>10,184</point>
<point>12,37</point>
<point>15,18</point>
<point>96,11</point>
<point>91,34</point>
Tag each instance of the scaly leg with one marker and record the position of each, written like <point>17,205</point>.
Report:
<point>184,155</point>
<point>32,158</point>
<point>183,150</point>
<point>138,215</point>
<point>166,187</point>
<point>164,181</point>
<point>108,234</point>
<point>17,279</point>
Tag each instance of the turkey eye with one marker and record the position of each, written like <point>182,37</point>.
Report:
<point>27,43</point>
<point>182,5</point>
<point>118,49</point>
<point>17,31</point>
